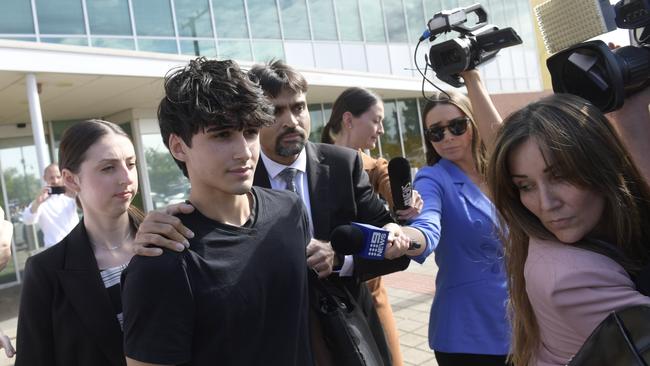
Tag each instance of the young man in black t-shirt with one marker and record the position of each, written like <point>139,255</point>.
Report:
<point>238,296</point>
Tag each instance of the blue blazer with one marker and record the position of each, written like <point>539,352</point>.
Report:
<point>468,314</point>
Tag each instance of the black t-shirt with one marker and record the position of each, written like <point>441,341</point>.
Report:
<point>238,296</point>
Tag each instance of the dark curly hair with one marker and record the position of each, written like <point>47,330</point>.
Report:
<point>208,93</point>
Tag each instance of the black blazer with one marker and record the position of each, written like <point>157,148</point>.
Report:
<point>66,317</point>
<point>340,192</point>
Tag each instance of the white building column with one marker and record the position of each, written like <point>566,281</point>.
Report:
<point>37,122</point>
<point>145,186</point>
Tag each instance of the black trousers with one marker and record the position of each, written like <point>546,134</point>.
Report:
<point>468,359</point>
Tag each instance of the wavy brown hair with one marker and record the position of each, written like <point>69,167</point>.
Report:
<point>580,144</point>
<point>462,102</point>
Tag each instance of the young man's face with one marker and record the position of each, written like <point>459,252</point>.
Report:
<point>285,139</point>
<point>220,161</point>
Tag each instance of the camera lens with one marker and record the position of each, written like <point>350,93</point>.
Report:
<point>592,83</point>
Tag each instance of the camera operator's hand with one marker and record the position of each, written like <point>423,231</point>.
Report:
<point>632,122</point>
<point>487,117</point>
<point>42,196</point>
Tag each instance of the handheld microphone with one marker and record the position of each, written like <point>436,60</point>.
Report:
<point>401,186</point>
<point>565,23</point>
<point>364,240</point>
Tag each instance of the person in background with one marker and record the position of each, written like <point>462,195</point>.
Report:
<point>575,210</point>
<point>54,209</point>
<point>6,233</point>
<point>357,122</point>
<point>468,323</point>
<point>70,307</point>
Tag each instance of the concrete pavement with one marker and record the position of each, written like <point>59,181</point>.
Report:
<point>410,293</point>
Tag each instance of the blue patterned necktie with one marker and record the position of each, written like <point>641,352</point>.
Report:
<point>287,175</point>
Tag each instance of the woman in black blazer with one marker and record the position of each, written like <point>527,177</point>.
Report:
<point>70,308</point>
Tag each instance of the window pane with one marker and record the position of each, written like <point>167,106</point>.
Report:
<point>395,21</point>
<point>373,21</point>
<point>408,112</point>
<point>193,18</point>
<point>121,43</point>
<point>265,51</point>
<point>400,59</point>
<point>236,50</point>
<point>60,17</point>
<point>230,19</point>
<point>168,185</point>
<point>300,54</point>
<point>327,55</point>
<point>109,17</point>
<point>322,20</point>
<point>157,45</point>
<point>294,19</point>
<point>80,41</point>
<point>353,56</point>
<point>153,17</point>
<point>378,59</point>
<point>327,112</point>
<point>415,18</point>
<point>22,39</point>
<point>390,145</point>
<point>317,122</point>
<point>16,17</point>
<point>198,48</point>
<point>349,21</point>
<point>264,19</point>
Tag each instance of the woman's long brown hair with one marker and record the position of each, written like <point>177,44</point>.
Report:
<point>582,147</point>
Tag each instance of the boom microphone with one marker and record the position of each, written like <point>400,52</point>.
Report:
<point>564,23</point>
<point>401,188</point>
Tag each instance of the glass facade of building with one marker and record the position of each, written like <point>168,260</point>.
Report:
<point>370,36</point>
<point>375,36</point>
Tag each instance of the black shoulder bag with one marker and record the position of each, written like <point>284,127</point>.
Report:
<point>622,339</point>
<point>344,326</point>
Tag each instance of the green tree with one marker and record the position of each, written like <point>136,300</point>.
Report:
<point>21,188</point>
<point>165,177</point>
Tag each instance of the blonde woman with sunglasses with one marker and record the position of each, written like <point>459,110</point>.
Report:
<point>468,324</point>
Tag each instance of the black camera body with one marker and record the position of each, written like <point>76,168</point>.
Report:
<point>474,46</point>
<point>56,189</point>
<point>603,76</point>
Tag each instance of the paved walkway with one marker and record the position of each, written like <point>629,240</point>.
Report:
<point>410,295</point>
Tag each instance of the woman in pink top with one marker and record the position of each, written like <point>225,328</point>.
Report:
<point>577,209</point>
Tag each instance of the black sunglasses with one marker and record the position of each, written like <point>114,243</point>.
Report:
<point>456,126</point>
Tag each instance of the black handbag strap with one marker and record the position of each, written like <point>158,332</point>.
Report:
<point>629,341</point>
<point>319,284</point>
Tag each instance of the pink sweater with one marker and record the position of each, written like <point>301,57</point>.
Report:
<point>571,291</point>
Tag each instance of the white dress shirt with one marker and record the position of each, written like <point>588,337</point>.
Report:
<point>300,164</point>
<point>56,217</point>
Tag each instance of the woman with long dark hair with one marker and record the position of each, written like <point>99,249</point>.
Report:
<point>576,209</point>
<point>70,308</point>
